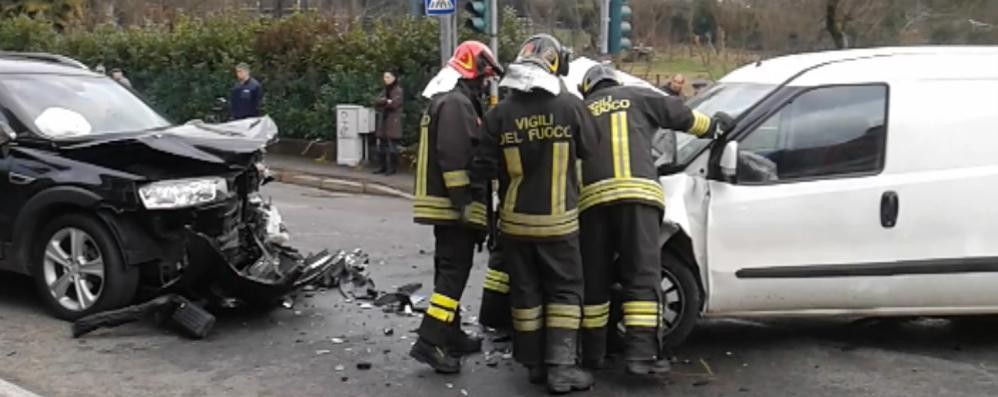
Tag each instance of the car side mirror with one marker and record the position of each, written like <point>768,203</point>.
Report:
<point>664,150</point>
<point>7,133</point>
<point>729,161</point>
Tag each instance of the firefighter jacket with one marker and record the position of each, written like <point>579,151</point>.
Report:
<point>448,131</point>
<point>533,141</point>
<point>622,168</point>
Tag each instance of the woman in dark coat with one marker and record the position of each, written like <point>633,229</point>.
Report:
<point>390,131</point>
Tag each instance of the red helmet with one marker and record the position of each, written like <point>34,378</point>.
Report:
<point>474,59</point>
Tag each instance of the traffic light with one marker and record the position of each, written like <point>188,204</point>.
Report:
<point>620,26</point>
<point>479,15</point>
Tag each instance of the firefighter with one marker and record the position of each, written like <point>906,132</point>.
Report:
<point>533,140</point>
<point>494,312</point>
<point>444,199</point>
<point>621,210</point>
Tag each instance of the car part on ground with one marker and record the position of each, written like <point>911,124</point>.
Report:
<point>174,311</point>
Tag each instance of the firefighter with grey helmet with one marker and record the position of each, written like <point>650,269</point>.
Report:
<point>446,199</point>
<point>534,139</point>
<point>621,208</point>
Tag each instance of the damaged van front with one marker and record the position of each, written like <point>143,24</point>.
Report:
<point>104,199</point>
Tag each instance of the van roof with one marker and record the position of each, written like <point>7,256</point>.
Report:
<point>779,70</point>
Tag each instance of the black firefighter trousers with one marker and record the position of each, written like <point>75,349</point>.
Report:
<point>627,232</point>
<point>495,311</point>
<point>546,297</point>
<point>452,260</point>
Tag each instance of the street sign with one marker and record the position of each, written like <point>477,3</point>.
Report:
<point>440,7</point>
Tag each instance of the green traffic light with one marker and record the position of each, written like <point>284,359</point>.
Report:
<point>478,18</point>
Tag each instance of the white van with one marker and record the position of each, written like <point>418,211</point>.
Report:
<point>859,183</point>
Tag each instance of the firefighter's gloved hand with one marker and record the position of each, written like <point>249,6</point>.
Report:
<point>720,124</point>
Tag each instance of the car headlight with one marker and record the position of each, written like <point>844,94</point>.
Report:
<point>182,193</point>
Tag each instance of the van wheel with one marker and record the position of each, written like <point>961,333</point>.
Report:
<point>78,268</point>
<point>683,300</point>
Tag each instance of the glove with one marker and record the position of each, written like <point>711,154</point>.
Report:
<point>720,124</point>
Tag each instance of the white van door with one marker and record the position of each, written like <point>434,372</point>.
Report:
<point>805,207</point>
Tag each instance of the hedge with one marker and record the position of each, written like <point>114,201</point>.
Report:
<point>307,63</point>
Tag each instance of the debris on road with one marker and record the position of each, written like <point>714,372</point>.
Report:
<point>364,366</point>
<point>339,368</point>
<point>322,352</point>
<point>389,332</point>
<point>176,312</point>
<point>337,341</point>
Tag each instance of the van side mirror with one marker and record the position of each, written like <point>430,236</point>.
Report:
<point>664,150</point>
<point>7,133</point>
<point>729,161</point>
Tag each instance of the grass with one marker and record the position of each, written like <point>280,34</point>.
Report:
<point>696,64</point>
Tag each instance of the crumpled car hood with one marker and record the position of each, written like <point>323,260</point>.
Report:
<point>212,143</point>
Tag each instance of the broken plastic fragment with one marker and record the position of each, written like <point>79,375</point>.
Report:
<point>322,352</point>
<point>339,368</point>
<point>450,385</point>
<point>288,303</point>
<point>464,392</point>
<point>389,332</point>
<point>337,340</point>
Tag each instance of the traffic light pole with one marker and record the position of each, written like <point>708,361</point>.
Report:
<point>604,27</point>
<point>494,43</point>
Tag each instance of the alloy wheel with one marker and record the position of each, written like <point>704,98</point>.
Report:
<point>73,269</point>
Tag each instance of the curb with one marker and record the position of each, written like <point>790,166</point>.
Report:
<point>338,184</point>
<point>8,389</point>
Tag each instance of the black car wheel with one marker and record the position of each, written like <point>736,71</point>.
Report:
<point>78,268</point>
<point>683,299</point>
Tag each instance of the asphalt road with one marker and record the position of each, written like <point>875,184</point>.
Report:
<point>291,353</point>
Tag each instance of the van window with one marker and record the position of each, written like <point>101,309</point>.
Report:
<point>824,132</point>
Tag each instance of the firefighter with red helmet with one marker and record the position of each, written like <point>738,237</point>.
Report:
<point>533,141</point>
<point>445,199</point>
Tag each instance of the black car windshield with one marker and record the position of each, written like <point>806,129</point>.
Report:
<point>731,98</point>
<point>75,106</point>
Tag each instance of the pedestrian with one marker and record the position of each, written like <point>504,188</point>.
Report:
<point>118,75</point>
<point>533,140</point>
<point>445,199</point>
<point>621,211</point>
<point>676,86</point>
<point>246,96</point>
<point>390,130</point>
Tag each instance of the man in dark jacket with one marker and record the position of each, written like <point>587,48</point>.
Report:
<point>534,139</point>
<point>445,199</point>
<point>621,210</point>
<point>390,131</point>
<point>246,95</point>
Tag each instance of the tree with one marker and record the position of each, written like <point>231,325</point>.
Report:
<point>62,13</point>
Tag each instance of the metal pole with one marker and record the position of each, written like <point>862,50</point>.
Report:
<point>604,27</point>
<point>494,38</point>
<point>446,38</point>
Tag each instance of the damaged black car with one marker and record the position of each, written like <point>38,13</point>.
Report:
<point>105,201</point>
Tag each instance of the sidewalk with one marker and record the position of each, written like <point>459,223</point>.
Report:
<point>306,171</point>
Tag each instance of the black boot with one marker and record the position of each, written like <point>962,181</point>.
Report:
<point>566,378</point>
<point>436,357</point>
<point>538,374</point>
<point>648,367</point>
<point>393,163</point>
<point>465,344</point>
<point>383,168</point>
